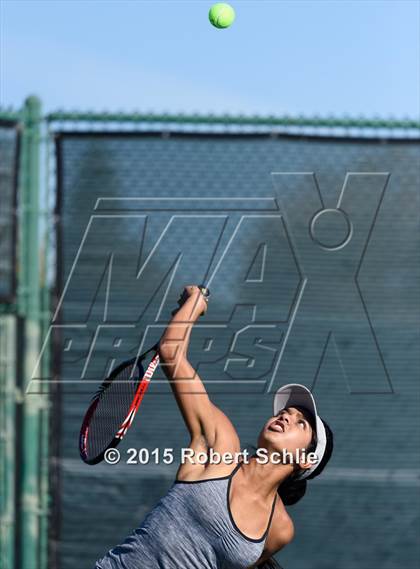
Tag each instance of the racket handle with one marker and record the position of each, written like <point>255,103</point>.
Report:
<point>204,290</point>
<point>206,293</point>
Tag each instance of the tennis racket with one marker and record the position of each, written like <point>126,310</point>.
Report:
<point>114,405</point>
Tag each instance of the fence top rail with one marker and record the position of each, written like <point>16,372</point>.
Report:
<point>239,120</point>
<point>300,121</point>
<point>10,115</point>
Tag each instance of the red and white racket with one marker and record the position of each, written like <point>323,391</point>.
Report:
<point>115,404</point>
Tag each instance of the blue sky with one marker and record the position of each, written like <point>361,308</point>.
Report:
<point>311,57</point>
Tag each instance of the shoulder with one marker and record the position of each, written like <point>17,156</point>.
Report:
<point>280,534</point>
<point>282,529</point>
<point>286,532</point>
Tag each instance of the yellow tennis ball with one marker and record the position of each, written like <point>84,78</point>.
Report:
<point>221,15</point>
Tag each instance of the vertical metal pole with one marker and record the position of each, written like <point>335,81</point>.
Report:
<point>7,440</point>
<point>29,308</point>
<point>44,441</point>
<point>46,360</point>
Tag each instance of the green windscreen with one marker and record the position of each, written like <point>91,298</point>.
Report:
<point>310,247</point>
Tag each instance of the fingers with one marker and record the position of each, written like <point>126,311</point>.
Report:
<point>201,292</point>
<point>192,289</point>
<point>204,291</point>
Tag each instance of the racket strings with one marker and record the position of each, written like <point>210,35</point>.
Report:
<point>115,398</point>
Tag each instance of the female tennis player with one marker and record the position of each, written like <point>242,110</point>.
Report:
<point>225,515</point>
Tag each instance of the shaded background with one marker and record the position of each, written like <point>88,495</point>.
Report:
<point>364,508</point>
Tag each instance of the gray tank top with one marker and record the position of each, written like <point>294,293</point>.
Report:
<point>191,526</point>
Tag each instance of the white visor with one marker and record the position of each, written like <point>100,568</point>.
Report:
<point>294,394</point>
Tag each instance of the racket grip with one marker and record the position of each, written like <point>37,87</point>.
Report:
<point>206,293</point>
<point>204,290</point>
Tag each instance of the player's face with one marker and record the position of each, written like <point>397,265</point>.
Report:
<point>290,430</point>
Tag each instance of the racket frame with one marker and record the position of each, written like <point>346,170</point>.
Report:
<point>141,389</point>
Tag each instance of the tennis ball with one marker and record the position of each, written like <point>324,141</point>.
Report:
<point>221,15</point>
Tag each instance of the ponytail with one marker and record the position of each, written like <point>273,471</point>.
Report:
<point>291,490</point>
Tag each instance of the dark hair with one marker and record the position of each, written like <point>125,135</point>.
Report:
<point>293,489</point>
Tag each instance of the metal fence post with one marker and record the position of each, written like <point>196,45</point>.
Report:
<point>7,440</point>
<point>29,308</point>
<point>46,244</point>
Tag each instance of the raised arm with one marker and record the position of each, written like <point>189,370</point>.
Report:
<point>204,420</point>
